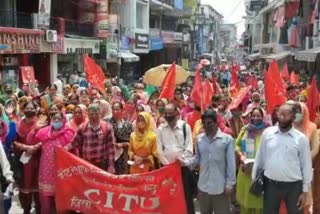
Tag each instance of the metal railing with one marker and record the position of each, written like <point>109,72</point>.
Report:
<point>15,19</point>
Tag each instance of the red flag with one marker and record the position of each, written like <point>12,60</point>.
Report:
<point>274,90</point>
<point>252,81</point>
<point>285,72</point>
<point>94,73</point>
<point>196,93</point>
<point>294,78</point>
<point>235,86</point>
<point>313,100</point>
<point>238,98</point>
<point>86,188</point>
<point>207,95</point>
<point>215,86</point>
<point>169,83</point>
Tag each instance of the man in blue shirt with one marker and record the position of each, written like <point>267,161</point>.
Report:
<point>215,153</point>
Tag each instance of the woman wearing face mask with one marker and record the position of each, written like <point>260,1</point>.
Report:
<point>247,144</point>
<point>79,116</point>
<point>143,145</point>
<point>160,104</point>
<point>129,111</point>
<point>122,130</point>
<point>57,134</point>
<point>304,125</point>
<point>28,183</point>
<point>69,111</point>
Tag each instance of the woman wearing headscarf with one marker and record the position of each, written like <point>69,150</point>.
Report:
<point>28,183</point>
<point>122,131</point>
<point>249,137</point>
<point>188,108</point>
<point>304,125</point>
<point>79,117</point>
<point>129,111</point>
<point>143,145</point>
<point>160,104</point>
<point>66,91</point>
<point>57,134</point>
<point>48,99</point>
<point>105,109</point>
<point>117,95</point>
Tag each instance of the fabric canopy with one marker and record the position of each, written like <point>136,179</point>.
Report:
<point>309,55</point>
<point>128,56</point>
<point>277,56</point>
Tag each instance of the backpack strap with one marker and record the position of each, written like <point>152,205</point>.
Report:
<point>184,129</point>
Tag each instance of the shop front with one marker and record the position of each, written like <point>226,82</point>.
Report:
<point>73,51</point>
<point>20,47</point>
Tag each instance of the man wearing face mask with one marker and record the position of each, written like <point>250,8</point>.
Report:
<point>285,158</point>
<point>215,153</point>
<point>175,142</point>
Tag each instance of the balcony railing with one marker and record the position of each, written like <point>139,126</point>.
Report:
<point>15,19</point>
<point>73,27</point>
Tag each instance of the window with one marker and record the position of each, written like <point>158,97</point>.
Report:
<point>141,16</point>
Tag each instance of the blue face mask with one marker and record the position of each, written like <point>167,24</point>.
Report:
<point>298,118</point>
<point>257,122</point>
<point>57,125</point>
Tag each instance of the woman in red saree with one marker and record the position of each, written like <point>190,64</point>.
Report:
<point>28,185</point>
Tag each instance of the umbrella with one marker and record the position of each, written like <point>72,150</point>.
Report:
<point>156,75</point>
<point>205,62</point>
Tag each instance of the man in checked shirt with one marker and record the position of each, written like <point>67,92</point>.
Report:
<point>95,141</point>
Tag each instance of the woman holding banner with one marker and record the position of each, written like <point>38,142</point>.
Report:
<point>143,145</point>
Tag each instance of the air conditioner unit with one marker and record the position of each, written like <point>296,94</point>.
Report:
<point>51,36</point>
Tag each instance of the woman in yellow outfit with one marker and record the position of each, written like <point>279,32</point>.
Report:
<point>143,145</point>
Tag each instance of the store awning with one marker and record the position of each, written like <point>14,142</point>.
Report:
<point>254,56</point>
<point>309,55</point>
<point>277,56</point>
<point>128,56</point>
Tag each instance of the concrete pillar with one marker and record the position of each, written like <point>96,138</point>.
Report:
<point>53,67</point>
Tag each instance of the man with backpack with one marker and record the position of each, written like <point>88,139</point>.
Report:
<point>95,141</point>
<point>175,142</point>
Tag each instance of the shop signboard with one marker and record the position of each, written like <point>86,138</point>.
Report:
<point>168,37</point>
<point>27,73</point>
<point>142,41</point>
<point>81,46</point>
<point>178,36</point>
<point>18,41</point>
<point>53,47</point>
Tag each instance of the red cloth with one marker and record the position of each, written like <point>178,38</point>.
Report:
<point>222,125</point>
<point>285,72</point>
<point>294,78</point>
<point>169,84</point>
<point>30,170</point>
<point>235,85</point>
<point>94,74</point>
<point>274,89</point>
<point>215,86</point>
<point>192,118</point>
<point>207,95</point>
<point>313,100</point>
<point>196,93</point>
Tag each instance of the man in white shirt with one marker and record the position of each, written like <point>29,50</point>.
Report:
<point>174,143</point>
<point>285,158</point>
<point>58,82</point>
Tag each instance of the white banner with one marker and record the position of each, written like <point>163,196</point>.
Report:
<point>44,14</point>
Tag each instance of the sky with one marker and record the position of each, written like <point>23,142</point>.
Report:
<point>232,10</point>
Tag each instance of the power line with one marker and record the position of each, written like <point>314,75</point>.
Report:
<point>236,7</point>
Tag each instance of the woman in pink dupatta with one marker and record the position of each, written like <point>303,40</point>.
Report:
<point>57,134</point>
<point>79,117</point>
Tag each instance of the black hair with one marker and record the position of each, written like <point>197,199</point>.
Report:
<point>258,108</point>
<point>176,108</point>
<point>215,98</point>
<point>33,103</point>
<point>210,113</point>
<point>58,106</point>
<point>119,103</point>
<point>53,86</point>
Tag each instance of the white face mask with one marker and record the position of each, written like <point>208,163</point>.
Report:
<point>298,118</point>
<point>69,116</point>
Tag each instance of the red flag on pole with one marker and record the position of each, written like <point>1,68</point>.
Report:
<point>234,83</point>
<point>196,93</point>
<point>285,72</point>
<point>94,73</point>
<point>207,95</point>
<point>169,83</point>
<point>313,100</point>
<point>294,78</point>
<point>215,86</point>
<point>274,89</point>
